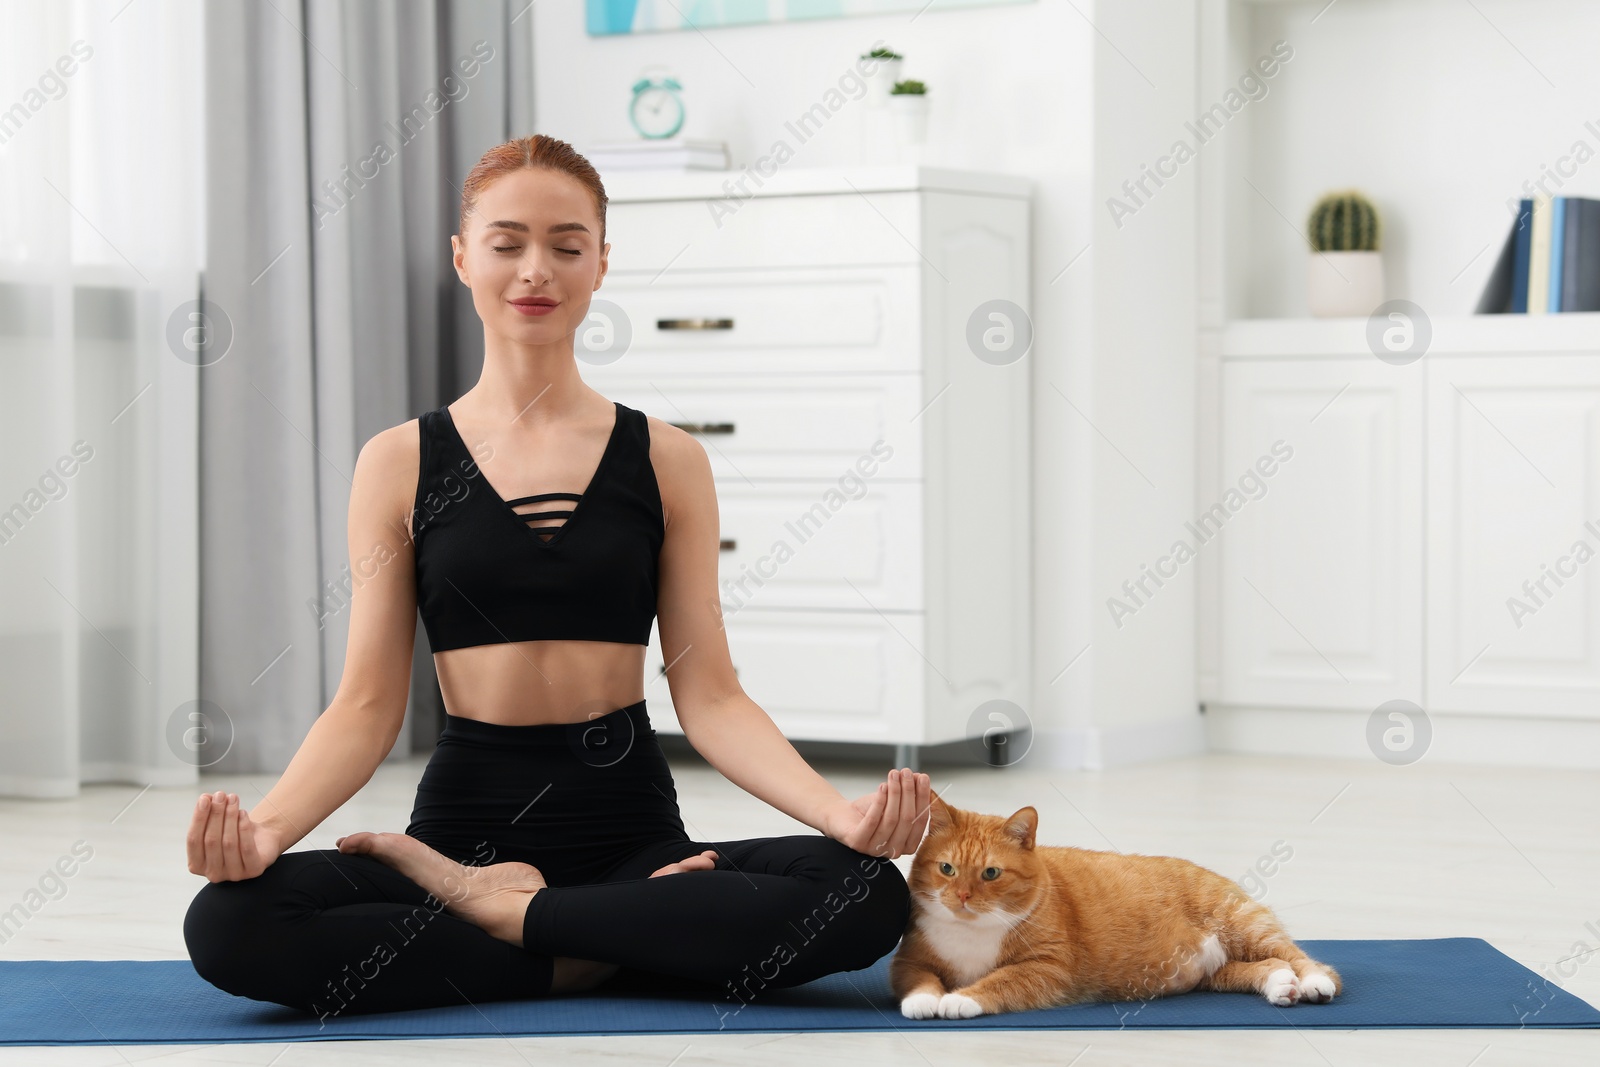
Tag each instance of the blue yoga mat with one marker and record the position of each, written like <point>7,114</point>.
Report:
<point>1446,982</point>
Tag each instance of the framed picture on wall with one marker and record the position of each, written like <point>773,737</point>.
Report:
<point>649,16</point>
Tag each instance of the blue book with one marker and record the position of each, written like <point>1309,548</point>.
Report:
<point>1558,226</point>
<point>1580,256</point>
<point>1519,268</point>
<point>1496,296</point>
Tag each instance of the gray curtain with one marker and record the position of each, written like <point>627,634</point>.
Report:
<point>338,133</point>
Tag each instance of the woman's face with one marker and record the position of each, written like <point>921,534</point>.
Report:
<point>533,233</point>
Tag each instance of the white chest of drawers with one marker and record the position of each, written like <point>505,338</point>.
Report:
<point>872,470</point>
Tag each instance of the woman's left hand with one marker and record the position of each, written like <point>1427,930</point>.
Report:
<point>888,822</point>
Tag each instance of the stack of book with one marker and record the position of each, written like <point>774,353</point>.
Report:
<point>1550,260</point>
<point>675,153</point>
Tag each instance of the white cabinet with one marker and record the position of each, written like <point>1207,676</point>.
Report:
<point>1435,537</point>
<point>1514,536</point>
<point>1321,576</point>
<point>872,470</point>
<point>1452,482</point>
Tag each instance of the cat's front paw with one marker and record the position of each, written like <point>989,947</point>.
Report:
<point>920,1006</point>
<point>958,1006</point>
<point>1280,988</point>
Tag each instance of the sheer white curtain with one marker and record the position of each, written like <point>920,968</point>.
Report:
<point>100,348</point>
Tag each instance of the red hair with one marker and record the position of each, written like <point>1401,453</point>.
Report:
<point>526,152</point>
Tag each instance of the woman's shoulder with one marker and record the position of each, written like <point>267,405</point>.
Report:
<point>389,464</point>
<point>395,446</point>
<point>681,466</point>
<point>672,447</point>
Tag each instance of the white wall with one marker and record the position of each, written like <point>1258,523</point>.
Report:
<point>1438,110</point>
<point>1143,701</point>
<point>1011,89</point>
<point>1007,85</point>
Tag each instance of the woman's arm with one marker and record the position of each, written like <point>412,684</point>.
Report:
<point>346,743</point>
<point>718,718</point>
<point>741,741</point>
<point>338,756</point>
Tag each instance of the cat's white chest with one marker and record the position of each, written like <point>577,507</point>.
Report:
<point>970,948</point>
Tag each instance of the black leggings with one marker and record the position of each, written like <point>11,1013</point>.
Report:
<point>593,806</point>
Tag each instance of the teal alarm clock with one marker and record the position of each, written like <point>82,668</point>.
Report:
<point>657,109</point>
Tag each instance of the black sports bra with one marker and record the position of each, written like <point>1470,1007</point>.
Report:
<point>484,576</point>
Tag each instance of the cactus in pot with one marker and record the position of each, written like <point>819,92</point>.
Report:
<point>1344,275</point>
<point>1344,222</point>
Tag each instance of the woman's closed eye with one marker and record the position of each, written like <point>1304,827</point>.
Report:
<point>514,248</point>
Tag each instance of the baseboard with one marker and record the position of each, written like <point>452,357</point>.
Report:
<point>35,787</point>
<point>1466,738</point>
<point>1094,748</point>
<point>116,771</point>
<point>51,787</point>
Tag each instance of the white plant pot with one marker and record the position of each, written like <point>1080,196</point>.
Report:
<point>1344,284</point>
<point>884,75</point>
<point>910,111</point>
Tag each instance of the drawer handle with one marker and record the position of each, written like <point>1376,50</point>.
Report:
<point>694,324</point>
<point>727,544</point>
<point>705,427</point>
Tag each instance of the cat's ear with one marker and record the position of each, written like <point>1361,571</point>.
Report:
<point>940,815</point>
<point>1021,826</point>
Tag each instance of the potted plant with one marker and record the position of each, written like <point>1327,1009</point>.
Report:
<point>1344,276</point>
<point>887,69</point>
<point>909,102</point>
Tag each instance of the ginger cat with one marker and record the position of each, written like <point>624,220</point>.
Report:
<point>999,925</point>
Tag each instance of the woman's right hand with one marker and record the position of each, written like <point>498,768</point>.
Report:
<point>225,844</point>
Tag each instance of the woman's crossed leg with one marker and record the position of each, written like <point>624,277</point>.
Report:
<point>387,923</point>
<point>740,915</point>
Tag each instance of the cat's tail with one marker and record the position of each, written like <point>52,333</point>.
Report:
<point>1263,958</point>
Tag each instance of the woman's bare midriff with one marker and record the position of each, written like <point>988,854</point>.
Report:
<point>529,683</point>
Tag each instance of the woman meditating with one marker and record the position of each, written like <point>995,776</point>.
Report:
<point>539,529</point>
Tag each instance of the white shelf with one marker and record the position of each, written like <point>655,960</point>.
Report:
<point>1453,335</point>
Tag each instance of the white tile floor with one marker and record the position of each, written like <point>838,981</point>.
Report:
<point>1378,851</point>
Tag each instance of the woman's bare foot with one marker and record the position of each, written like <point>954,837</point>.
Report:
<point>494,897</point>
<point>706,861</point>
